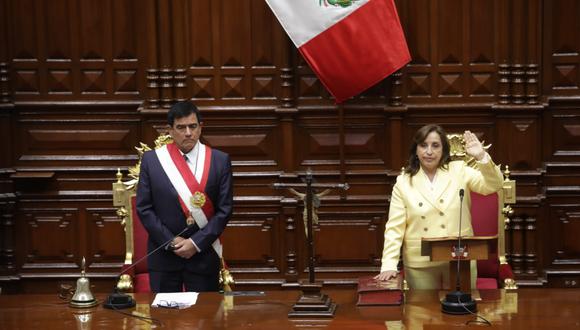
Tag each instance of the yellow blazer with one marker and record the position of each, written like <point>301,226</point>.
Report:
<point>422,209</point>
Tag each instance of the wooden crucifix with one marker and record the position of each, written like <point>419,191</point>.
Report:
<point>312,303</point>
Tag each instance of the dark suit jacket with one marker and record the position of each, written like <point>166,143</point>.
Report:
<point>160,212</point>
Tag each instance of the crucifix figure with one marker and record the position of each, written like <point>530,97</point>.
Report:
<point>312,303</point>
<point>315,206</point>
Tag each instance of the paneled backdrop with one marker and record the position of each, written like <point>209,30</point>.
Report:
<point>84,81</point>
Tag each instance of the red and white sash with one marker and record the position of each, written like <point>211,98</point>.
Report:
<point>186,184</point>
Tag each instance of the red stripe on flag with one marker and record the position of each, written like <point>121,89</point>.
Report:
<point>359,51</point>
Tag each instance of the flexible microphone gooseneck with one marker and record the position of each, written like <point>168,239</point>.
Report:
<point>457,302</point>
<point>119,300</point>
<point>457,280</point>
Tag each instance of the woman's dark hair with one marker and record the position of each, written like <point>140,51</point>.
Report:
<point>413,163</point>
<point>182,109</point>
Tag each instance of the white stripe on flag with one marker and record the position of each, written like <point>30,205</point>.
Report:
<point>305,19</point>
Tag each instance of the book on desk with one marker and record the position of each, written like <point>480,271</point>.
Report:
<point>379,293</point>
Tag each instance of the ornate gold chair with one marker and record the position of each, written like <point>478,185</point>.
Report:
<point>135,277</point>
<point>489,216</point>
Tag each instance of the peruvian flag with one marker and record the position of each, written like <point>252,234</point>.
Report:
<point>349,44</point>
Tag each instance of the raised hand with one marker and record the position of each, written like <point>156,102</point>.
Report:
<point>473,147</point>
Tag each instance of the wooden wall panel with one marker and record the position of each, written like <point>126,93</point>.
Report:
<point>38,225</point>
<point>519,130</point>
<point>84,81</point>
<point>564,254</point>
<point>24,38</point>
<point>448,31</point>
<point>105,242</point>
<point>57,37</point>
<point>348,238</point>
<point>483,27</point>
<point>459,59</point>
<point>565,222</point>
<point>562,51</point>
<point>76,50</point>
<point>565,135</point>
<point>252,146</point>
<point>234,59</point>
<point>419,31</point>
<point>93,138</point>
<point>252,244</point>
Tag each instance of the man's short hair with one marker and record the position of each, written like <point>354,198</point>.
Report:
<point>182,109</point>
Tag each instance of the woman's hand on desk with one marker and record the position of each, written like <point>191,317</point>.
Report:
<point>386,275</point>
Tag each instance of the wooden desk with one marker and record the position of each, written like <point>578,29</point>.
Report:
<point>524,309</point>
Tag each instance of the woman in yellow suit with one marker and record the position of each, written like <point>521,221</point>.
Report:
<point>425,203</point>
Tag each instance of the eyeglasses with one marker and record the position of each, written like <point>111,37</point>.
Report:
<point>167,304</point>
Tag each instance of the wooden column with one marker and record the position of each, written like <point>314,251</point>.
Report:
<point>153,93</point>
<point>164,49</point>
<point>518,41</point>
<point>517,254</point>
<point>503,37</point>
<point>5,94</point>
<point>7,195</point>
<point>533,48</point>
<point>342,147</point>
<point>290,215</point>
<point>180,41</point>
<point>287,111</point>
<point>531,257</point>
<point>285,60</point>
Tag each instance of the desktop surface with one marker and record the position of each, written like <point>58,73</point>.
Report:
<point>519,309</point>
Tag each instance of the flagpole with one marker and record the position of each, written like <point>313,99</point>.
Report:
<point>310,238</point>
<point>341,147</point>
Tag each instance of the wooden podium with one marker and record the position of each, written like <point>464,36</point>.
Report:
<point>472,248</point>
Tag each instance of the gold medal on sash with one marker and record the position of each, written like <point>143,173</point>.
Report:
<point>197,200</point>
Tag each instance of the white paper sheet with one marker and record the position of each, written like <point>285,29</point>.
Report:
<point>175,299</point>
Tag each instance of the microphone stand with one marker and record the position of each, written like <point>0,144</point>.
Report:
<point>457,302</point>
<point>120,300</point>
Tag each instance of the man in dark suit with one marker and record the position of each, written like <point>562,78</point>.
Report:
<point>185,196</point>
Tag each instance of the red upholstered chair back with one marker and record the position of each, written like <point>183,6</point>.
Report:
<point>135,276</point>
<point>485,222</point>
<point>139,240</point>
<point>140,236</point>
<point>135,265</point>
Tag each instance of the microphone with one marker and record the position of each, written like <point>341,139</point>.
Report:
<point>459,251</point>
<point>120,300</point>
<point>457,302</point>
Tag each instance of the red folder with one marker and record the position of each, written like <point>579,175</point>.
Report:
<point>379,293</point>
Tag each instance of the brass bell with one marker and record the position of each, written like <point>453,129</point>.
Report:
<point>83,296</point>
